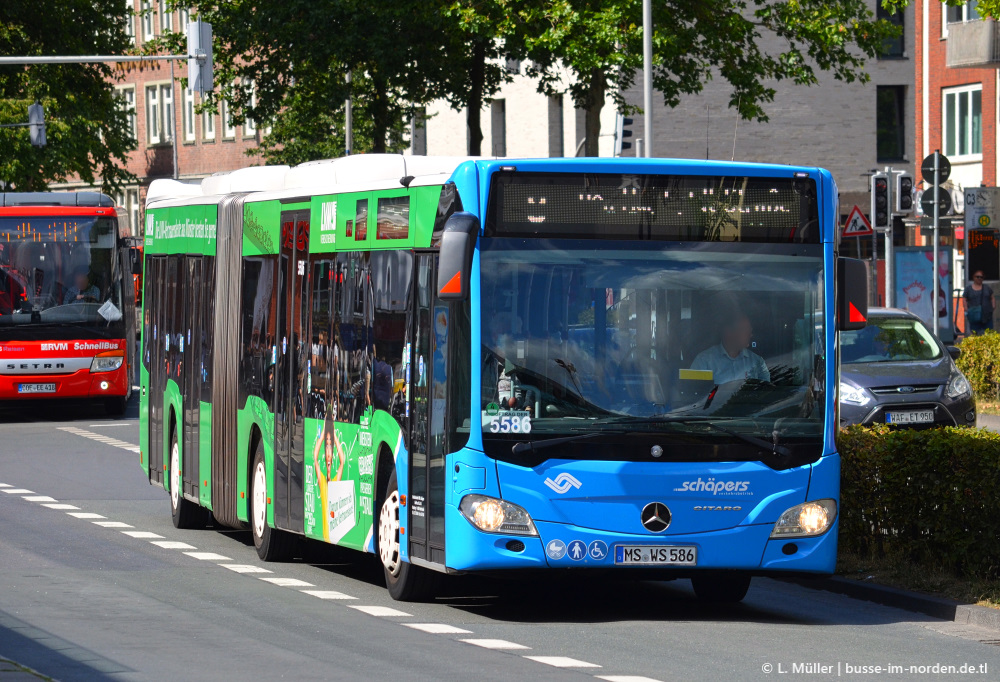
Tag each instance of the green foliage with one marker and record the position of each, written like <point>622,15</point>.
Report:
<point>87,132</point>
<point>928,495</point>
<point>980,363</point>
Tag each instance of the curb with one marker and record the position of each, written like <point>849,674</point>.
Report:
<point>937,607</point>
<point>988,421</point>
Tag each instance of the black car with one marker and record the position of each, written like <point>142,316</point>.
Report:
<point>894,371</point>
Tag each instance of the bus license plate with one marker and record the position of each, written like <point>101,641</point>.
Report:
<point>916,417</point>
<point>645,555</point>
<point>36,388</point>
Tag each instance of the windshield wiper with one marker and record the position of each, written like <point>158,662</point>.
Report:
<point>531,446</point>
<point>752,440</point>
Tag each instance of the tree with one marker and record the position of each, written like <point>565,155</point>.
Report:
<point>88,132</point>
<point>694,41</point>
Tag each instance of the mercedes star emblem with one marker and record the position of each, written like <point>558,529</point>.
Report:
<point>655,517</point>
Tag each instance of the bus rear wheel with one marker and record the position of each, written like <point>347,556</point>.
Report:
<point>404,581</point>
<point>721,589</point>
<point>272,544</point>
<point>184,513</point>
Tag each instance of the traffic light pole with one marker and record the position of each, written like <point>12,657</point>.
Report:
<point>937,240</point>
<point>889,270</point>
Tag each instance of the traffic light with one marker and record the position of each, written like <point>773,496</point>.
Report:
<point>622,130</point>
<point>36,124</point>
<point>904,193</point>
<point>880,201</point>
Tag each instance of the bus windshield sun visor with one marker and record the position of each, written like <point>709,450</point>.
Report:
<point>455,263</point>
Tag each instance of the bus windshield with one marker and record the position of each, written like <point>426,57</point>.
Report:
<point>58,271</point>
<point>628,337</point>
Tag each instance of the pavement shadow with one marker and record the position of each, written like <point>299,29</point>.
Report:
<point>63,410</point>
<point>53,656</point>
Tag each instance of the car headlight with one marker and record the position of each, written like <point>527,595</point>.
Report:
<point>958,386</point>
<point>108,362</point>
<point>497,516</point>
<point>806,520</point>
<point>853,394</point>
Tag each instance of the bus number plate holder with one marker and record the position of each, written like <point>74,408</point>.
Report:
<point>36,388</point>
<point>656,555</point>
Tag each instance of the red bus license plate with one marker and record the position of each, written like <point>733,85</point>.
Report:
<point>36,388</point>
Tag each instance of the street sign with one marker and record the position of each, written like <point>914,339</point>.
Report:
<point>927,170</point>
<point>928,221</point>
<point>857,224</point>
<point>982,207</point>
<point>927,201</point>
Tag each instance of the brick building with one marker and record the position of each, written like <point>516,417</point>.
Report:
<point>163,117</point>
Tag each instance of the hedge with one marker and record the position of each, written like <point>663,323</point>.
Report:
<point>980,363</point>
<point>932,496</point>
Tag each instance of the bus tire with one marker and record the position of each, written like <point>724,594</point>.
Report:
<point>718,589</point>
<point>404,581</point>
<point>115,407</point>
<point>272,544</point>
<point>184,513</point>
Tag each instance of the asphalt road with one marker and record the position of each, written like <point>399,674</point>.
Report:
<point>96,584</point>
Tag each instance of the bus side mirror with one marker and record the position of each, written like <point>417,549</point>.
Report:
<point>852,294</point>
<point>458,245</point>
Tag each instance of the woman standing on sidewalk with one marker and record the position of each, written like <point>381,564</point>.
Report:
<point>979,305</point>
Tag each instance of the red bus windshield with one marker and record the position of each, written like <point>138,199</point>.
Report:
<point>58,277</point>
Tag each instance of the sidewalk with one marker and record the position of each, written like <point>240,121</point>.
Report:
<point>12,672</point>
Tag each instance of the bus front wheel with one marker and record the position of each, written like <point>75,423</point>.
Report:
<point>272,544</point>
<point>404,581</point>
<point>184,513</point>
<point>721,589</point>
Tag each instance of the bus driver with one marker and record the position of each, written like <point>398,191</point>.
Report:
<point>731,360</point>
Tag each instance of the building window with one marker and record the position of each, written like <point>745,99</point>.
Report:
<point>130,20</point>
<point>166,16</point>
<point>159,113</point>
<point>498,126</point>
<point>962,121</point>
<point>890,122</point>
<point>892,48</point>
<point>959,14</point>
<point>207,123</point>
<point>126,100</point>
<point>249,125</point>
<point>148,33</point>
<point>228,128</point>
<point>188,115</point>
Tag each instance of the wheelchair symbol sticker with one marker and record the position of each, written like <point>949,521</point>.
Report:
<point>598,550</point>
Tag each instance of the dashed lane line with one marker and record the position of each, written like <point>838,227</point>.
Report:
<point>101,438</point>
<point>562,662</point>
<point>376,611</point>
<point>494,643</point>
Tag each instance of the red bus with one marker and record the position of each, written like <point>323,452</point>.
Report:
<point>67,303</point>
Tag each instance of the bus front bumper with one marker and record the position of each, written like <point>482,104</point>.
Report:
<point>79,384</point>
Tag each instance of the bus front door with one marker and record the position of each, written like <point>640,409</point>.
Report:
<point>290,375</point>
<point>427,376</point>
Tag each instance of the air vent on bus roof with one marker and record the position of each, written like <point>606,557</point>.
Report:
<point>253,179</point>
<point>171,189</point>
<point>55,199</point>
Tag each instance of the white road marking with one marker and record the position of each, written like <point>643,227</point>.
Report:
<point>287,582</point>
<point>495,643</point>
<point>172,544</point>
<point>112,524</point>
<point>86,515</point>
<point>141,534</point>
<point>107,424</point>
<point>382,611</point>
<point>39,498</point>
<point>6,485</point>
<point>18,491</point>
<point>438,628</point>
<point>327,594</point>
<point>62,507</point>
<point>207,556</point>
<point>245,568</point>
<point>562,662</point>
<point>625,678</point>
<point>101,438</point>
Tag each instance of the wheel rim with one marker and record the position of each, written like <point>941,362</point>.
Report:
<point>175,477</point>
<point>388,534</point>
<point>259,500</point>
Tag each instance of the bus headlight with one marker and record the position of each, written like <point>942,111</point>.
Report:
<point>496,516</point>
<point>107,362</point>
<point>806,520</point>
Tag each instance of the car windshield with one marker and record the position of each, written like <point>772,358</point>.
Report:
<point>585,335</point>
<point>58,271</point>
<point>889,339</point>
